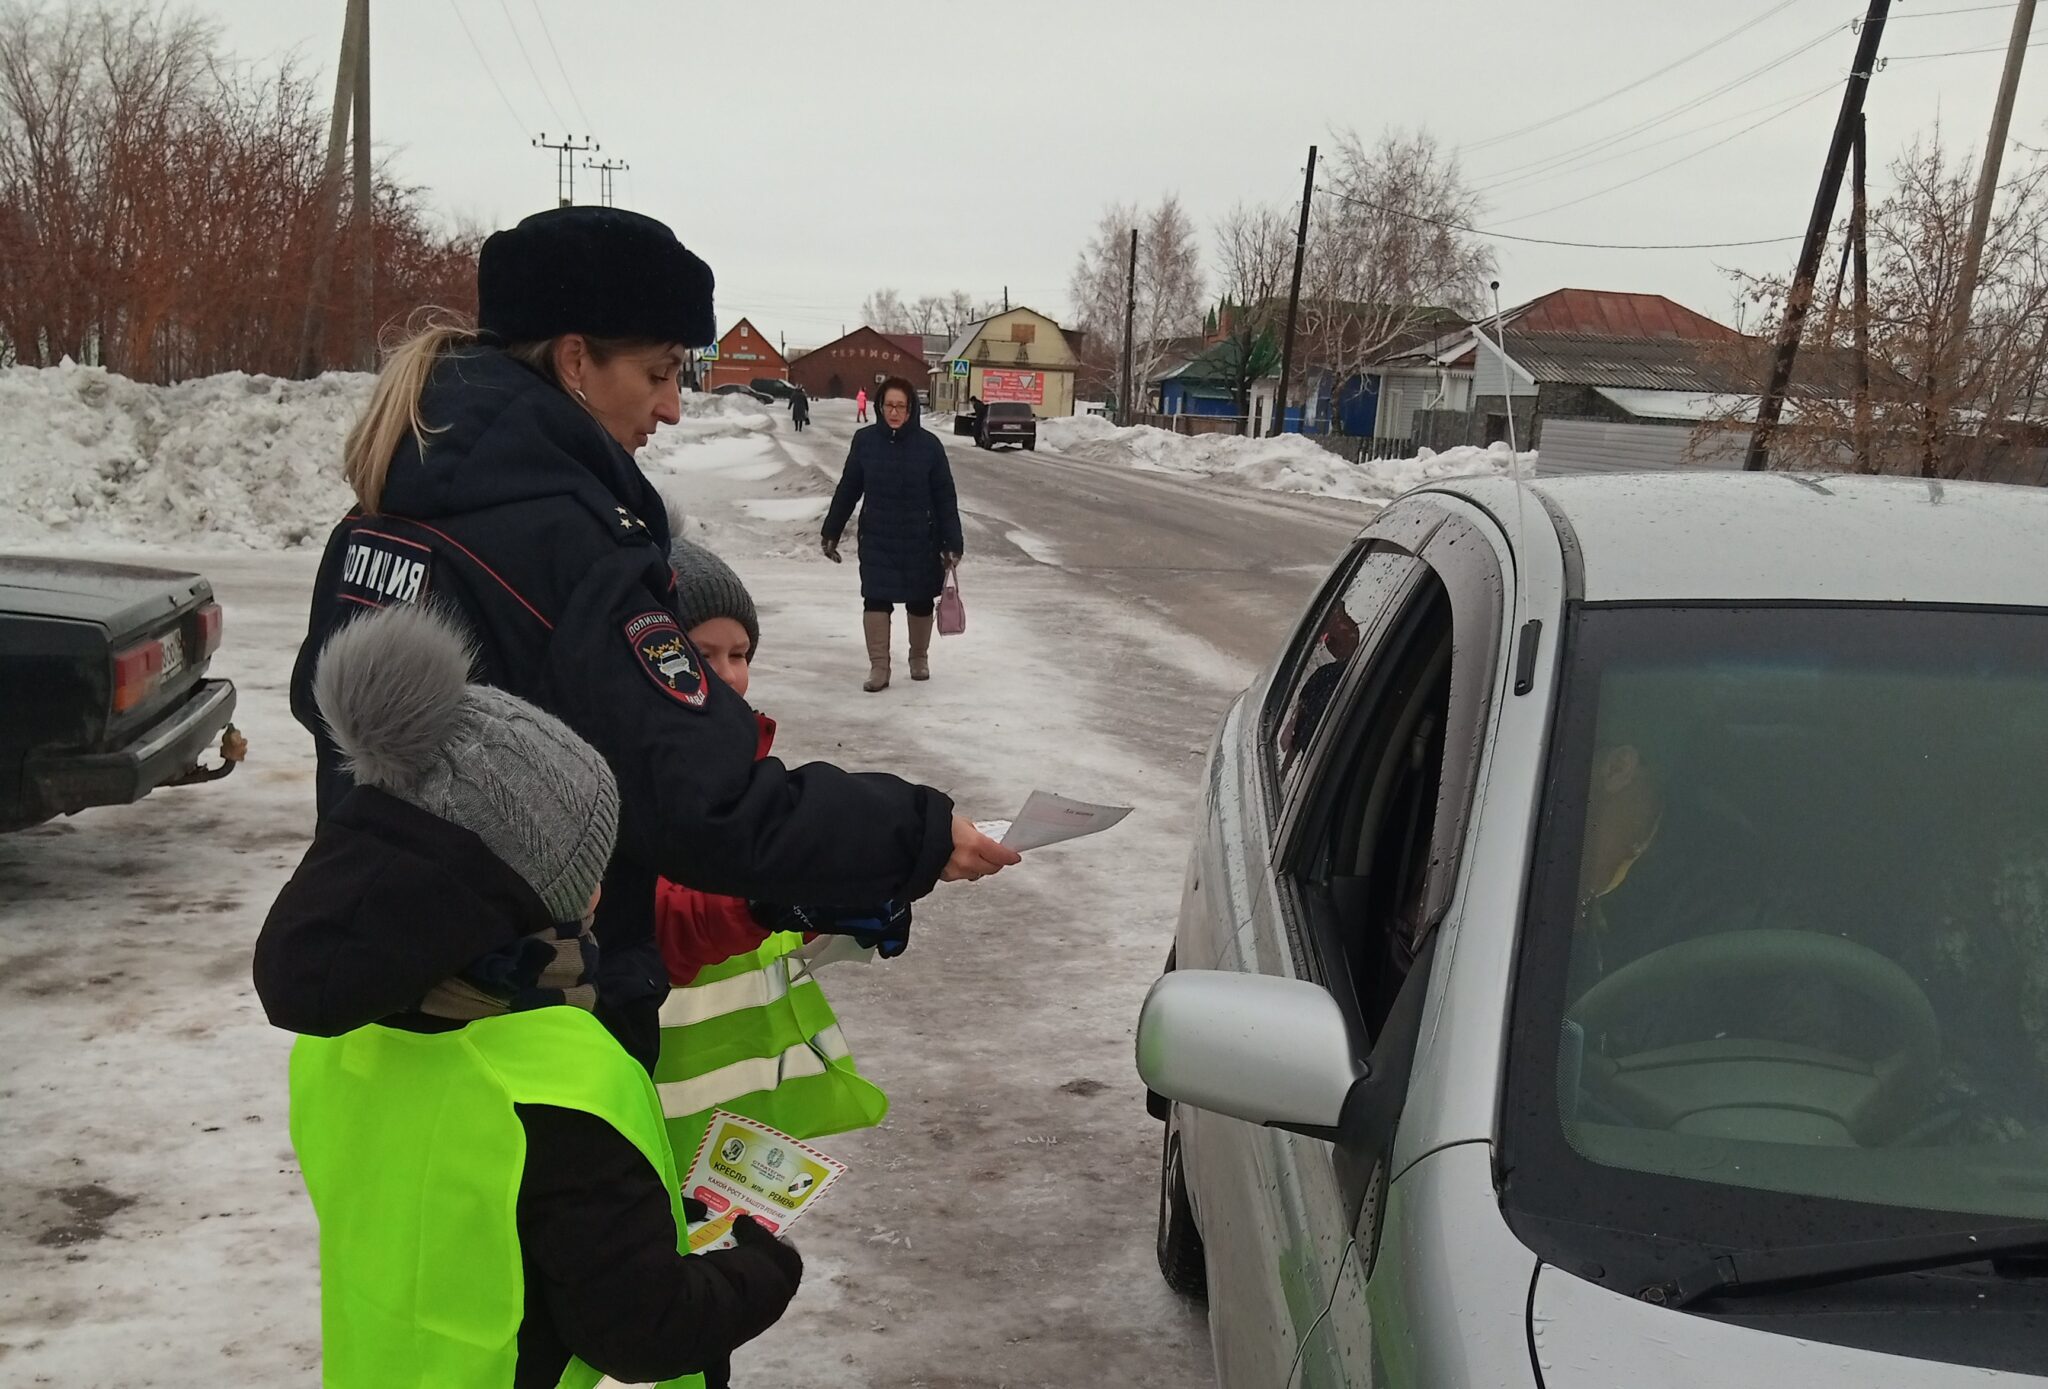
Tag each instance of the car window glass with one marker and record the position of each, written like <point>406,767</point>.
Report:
<point>1334,643</point>
<point>1368,874</point>
<point>1790,929</point>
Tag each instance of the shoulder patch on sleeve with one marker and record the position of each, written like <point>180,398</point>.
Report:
<point>668,658</point>
<point>379,569</point>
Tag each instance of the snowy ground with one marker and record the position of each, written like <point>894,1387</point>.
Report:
<point>1283,463</point>
<point>997,1230</point>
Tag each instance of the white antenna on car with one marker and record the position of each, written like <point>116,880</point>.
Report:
<point>1526,633</point>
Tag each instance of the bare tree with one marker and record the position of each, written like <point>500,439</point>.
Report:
<point>1169,286</point>
<point>884,311</point>
<point>1966,419</point>
<point>1254,260</point>
<point>1388,255</point>
<point>157,202</point>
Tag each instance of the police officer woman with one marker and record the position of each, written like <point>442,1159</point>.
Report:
<point>494,477</point>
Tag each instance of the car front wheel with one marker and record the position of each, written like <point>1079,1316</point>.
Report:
<point>1181,1260</point>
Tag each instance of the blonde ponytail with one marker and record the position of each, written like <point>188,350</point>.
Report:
<point>395,403</point>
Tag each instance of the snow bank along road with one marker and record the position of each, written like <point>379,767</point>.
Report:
<point>995,1232</point>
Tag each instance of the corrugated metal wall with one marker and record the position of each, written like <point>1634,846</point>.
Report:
<point>1592,446</point>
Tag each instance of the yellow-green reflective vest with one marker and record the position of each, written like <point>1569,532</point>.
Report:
<point>412,1153</point>
<point>754,1035</point>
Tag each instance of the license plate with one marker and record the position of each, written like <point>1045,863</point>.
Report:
<point>174,652</point>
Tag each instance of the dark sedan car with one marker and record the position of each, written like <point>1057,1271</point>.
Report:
<point>999,422</point>
<point>103,688</point>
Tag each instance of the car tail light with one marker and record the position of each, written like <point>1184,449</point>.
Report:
<point>137,673</point>
<point>210,622</point>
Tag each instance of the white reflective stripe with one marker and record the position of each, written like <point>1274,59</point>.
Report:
<point>833,1043</point>
<point>757,988</point>
<point>713,1088</point>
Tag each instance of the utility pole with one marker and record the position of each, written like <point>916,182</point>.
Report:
<point>327,208</point>
<point>1859,212</point>
<point>1980,225</point>
<point>1130,323</point>
<point>1006,298</point>
<point>605,169</point>
<point>1308,191</point>
<point>565,150</point>
<point>1772,404</point>
<point>362,206</point>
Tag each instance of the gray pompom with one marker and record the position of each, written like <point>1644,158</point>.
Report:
<point>390,687</point>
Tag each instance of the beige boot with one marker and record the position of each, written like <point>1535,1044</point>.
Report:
<point>876,626</point>
<point>920,646</point>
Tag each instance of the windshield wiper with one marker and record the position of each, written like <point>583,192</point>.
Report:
<point>1819,1265</point>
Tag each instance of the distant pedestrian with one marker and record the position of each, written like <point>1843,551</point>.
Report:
<point>860,406</point>
<point>800,409</point>
<point>910,536</point>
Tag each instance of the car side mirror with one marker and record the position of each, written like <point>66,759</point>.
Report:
<point>1254,1047</point>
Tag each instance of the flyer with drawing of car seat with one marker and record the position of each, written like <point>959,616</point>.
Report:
<point>745,1167</point>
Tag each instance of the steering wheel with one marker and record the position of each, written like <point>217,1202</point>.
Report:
<point>1753,1088</point>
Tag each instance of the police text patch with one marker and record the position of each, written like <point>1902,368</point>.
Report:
<point>378,569</point>
<point>666,655</point>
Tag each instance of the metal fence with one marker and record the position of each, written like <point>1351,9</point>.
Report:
<point>1365,450</point>
<point>1196,424</point>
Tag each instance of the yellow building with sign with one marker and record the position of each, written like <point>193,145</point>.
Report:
<point>1018,355</point>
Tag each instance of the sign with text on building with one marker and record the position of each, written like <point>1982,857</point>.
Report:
<point>959,366</point>
<point>1027,386</point>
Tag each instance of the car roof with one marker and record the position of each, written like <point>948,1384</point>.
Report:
<point>1797,537</point>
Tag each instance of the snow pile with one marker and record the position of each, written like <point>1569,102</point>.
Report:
<point>1288,463</point>
<point>243,459</point>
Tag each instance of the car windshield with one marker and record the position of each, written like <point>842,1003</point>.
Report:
<point>1785,964</point>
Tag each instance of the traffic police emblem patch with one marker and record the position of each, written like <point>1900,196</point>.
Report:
<point>667,656</point>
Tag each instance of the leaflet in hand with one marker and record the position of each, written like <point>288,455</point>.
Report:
<point>1049,819</point>
<point>745,1167</point>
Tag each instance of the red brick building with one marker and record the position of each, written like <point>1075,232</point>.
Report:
<point>744,354</point>
<point>863,358</point>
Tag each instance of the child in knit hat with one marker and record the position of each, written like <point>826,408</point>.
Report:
<point>496,1197</point>
<point>746,1027</point>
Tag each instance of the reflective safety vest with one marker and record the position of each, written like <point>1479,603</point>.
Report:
<point>754,1035</point>
<point>412,1153</point>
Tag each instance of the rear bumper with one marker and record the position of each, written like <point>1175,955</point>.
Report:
<point>63,782</point>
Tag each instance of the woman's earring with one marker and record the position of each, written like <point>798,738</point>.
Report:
<point>577,391</point>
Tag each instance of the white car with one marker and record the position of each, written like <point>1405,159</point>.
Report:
<point>1616,949</point>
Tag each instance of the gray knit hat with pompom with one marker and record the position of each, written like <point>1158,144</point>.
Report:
<point>707,587</point>
<point>394,689</point>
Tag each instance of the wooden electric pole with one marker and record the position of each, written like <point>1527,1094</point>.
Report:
<point>1949,355</point>
<point>1130,322</point>
<point>362,207</point>
<point>1800,299</point>
<point>1859,245</point>
<point>1308,192</point>
<point>354,61</point>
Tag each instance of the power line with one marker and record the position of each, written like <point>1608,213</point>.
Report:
<point>531,70</point>
<point>1541,175</point>
<point>588,124</point>
<point>1651,123</point>
<point>1957,53</point>
<point>1806,100</point>
<point>1781,6</point>
<point>1937,14</point>
<point>486,63</point>
<point>1550,241</point>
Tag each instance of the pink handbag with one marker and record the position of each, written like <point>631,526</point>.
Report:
<point>952,607</point>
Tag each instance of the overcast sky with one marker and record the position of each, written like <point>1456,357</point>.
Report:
<point>815,152</point>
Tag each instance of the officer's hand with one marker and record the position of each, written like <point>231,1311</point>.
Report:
<point>695,1212</point>
<point>975,855</point>
<point>831,549</point>
<point>747,1234</point>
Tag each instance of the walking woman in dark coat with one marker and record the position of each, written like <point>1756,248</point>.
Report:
<point>898,475</point>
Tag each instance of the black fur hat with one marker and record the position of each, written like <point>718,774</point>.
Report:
<point>602,271</point>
